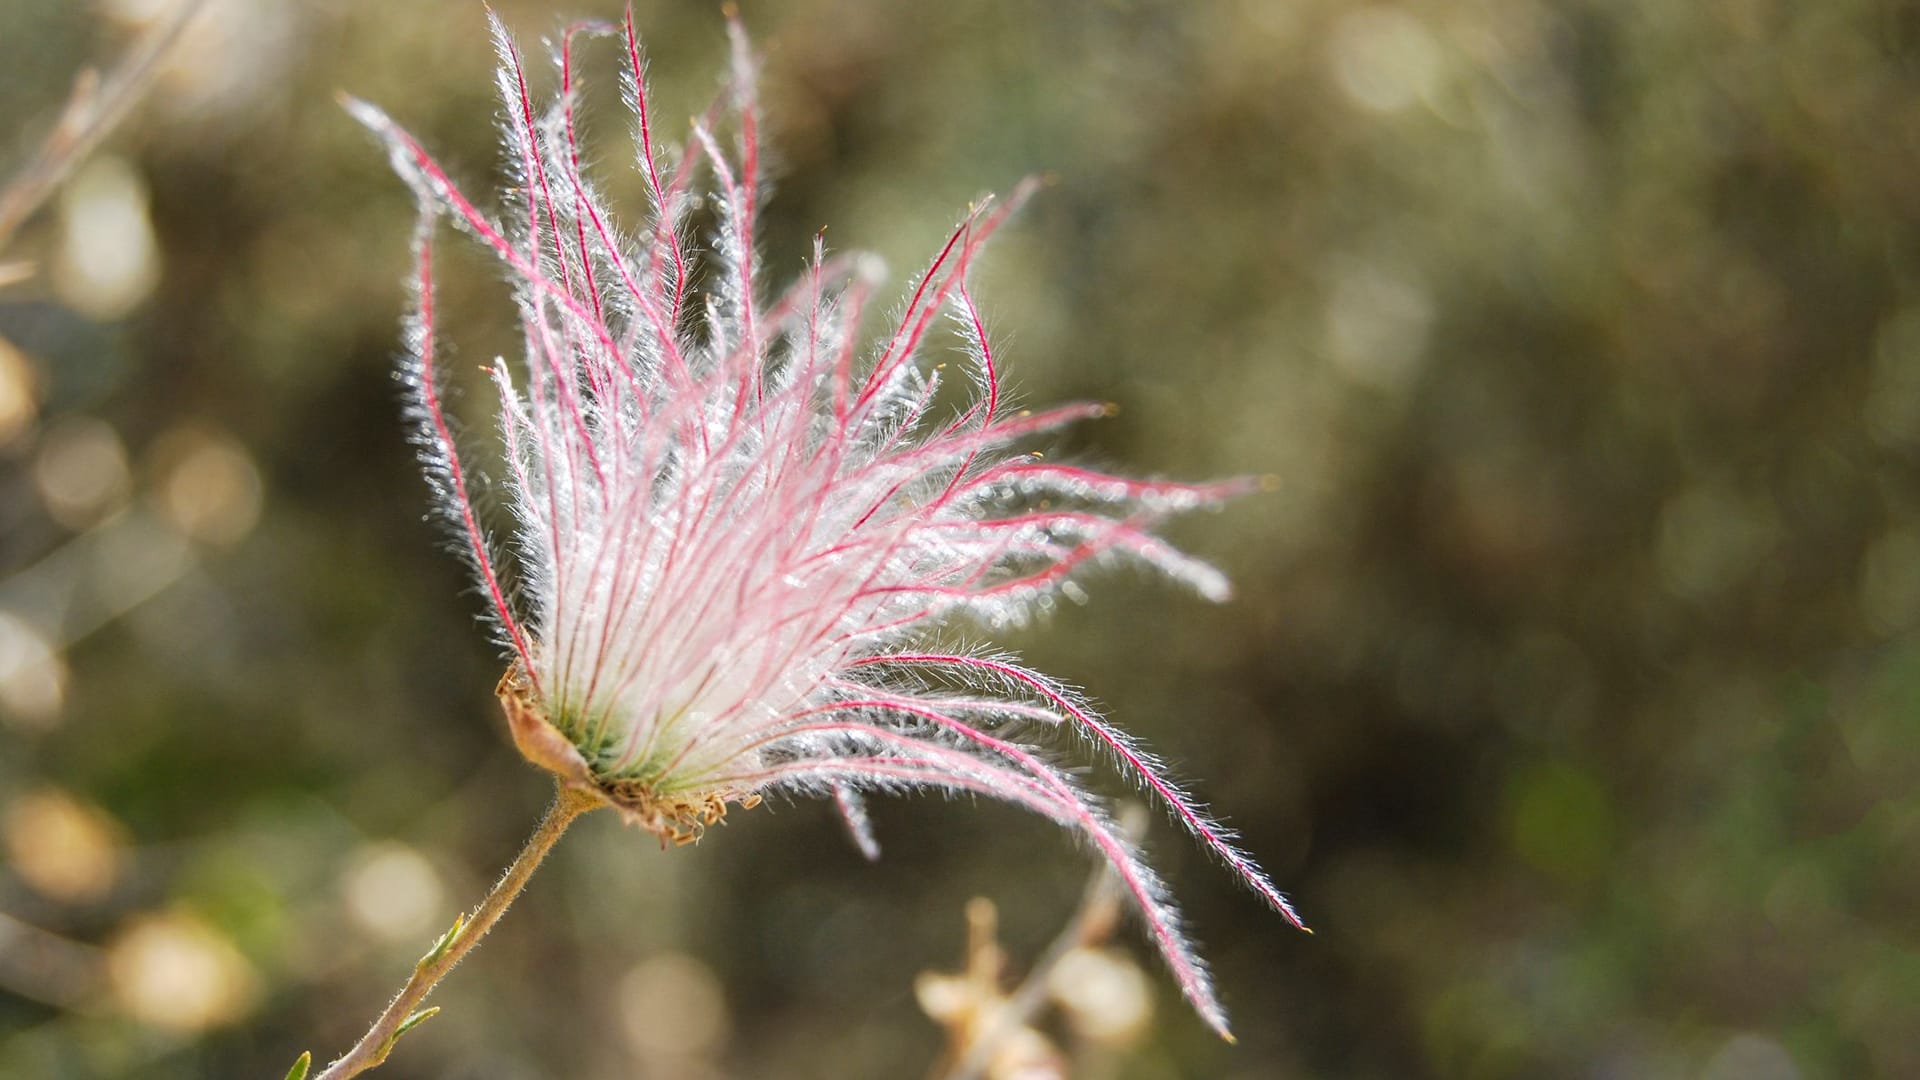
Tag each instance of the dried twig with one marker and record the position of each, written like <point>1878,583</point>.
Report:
<point>1092,923</point>
<point>94,108</point>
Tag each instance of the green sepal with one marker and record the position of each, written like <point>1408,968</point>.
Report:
<point>301,1067</point>
<point>445,941</point>
<point>412,1022</point>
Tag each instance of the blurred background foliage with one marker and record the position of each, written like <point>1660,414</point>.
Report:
<point>1573,688</point>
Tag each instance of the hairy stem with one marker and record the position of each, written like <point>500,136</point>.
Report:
<point>377,1043</point>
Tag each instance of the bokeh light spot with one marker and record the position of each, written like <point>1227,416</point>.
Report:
<point>1377,321</point>
<point>1749,1056</point>
<point>108,261</point>
<point>1892,405</point>
<point>1890,582</point>
<point>1384,59</point>
<point>1104,994</point>
<point>33,678</point>
<point>174,972</point>
<point>64,849</point>
<point>209,487</point>
<point>392,891</point>
<point>19,392</point>
<point>1711,537</point>
<point>81,471</point>
<point>672,1007</point>
<point>1560,821</point>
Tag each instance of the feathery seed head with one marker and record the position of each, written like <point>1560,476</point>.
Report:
<point>736,528</point>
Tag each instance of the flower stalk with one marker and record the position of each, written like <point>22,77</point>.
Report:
<point>404,1012</point>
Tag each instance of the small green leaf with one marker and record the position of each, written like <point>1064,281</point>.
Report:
<point>301,1067</point>
<point>414,1021</point>
<point>446,940</point>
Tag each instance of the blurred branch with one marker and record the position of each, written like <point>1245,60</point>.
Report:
<point>42,966</point>
<point>97,577</point>
<point>1092,922</point>
<point>94,108</point>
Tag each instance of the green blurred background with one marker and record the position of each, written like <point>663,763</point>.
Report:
<point>1573,684</point>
